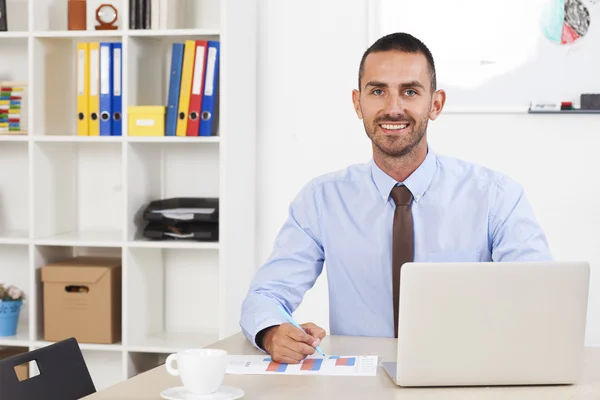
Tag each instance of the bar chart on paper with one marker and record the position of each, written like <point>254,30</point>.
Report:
<point>331,365</point>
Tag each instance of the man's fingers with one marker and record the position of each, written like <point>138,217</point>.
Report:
<point>314,330</point>
<point>299,336</point>
<point>290,355</point>
<point>291,345</point>
<point>299,347</point>
<point>285,360</point>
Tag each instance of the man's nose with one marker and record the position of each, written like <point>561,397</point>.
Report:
<point>394,105</point>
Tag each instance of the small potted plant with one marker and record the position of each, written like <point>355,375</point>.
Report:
<point>11,301</point>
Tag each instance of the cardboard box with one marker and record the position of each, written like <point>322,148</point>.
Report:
<point>82,299</point>
<point>22,370</point>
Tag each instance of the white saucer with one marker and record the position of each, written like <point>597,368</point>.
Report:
<point>224,393</point>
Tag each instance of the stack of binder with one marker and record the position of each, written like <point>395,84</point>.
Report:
<point>182,218</point>
<point>99,88</point>
<point>11,102</point>
<point>192,104</point>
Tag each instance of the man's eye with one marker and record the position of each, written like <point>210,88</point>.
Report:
<point>377,92</point>
<point>411,92</point>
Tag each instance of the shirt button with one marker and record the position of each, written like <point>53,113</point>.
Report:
<point>417,196</point>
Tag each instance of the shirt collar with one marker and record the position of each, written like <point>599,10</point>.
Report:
<point>417,182</point>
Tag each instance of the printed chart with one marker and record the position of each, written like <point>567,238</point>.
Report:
<point>330,365</point>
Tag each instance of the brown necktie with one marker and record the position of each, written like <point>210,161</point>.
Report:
<point>402,241</point>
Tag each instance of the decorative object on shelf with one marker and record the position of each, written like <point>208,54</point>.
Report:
<point>107,15</point>
<point>103,15</point>
<point>141,14</point>
<point>11,301</point>
<point>13,108</point>
<point>180,218</point>
<point>3,16</point>
<point>77,11</point>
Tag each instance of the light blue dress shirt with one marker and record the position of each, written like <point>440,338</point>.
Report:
<point>343,221</point>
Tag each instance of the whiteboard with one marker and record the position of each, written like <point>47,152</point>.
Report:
<point>502,55</point>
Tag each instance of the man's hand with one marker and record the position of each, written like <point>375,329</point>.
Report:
<point>288,344</point>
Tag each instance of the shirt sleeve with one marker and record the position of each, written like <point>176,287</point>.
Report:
<point>292,268</point>
<point>515,233</point>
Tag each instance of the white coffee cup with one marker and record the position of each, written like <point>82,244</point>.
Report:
<point>201,370</point>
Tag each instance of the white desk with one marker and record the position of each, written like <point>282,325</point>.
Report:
<point>148,385</point>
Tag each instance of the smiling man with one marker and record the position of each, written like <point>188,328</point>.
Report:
<point>364,222</point>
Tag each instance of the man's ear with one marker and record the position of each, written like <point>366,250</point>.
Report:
<point>356,102</point>
<point>437,103</point>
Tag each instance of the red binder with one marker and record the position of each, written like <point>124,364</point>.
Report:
<point>193,126</point>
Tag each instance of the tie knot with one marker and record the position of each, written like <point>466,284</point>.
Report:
<point>401,195</point>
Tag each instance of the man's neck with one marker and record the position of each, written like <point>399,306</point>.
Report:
<point>400,168</point>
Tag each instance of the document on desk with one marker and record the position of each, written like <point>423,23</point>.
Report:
<point>330,365</point>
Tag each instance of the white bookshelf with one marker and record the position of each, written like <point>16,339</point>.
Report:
<point>63,195</point>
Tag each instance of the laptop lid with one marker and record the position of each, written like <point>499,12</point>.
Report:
<point>491,323</point>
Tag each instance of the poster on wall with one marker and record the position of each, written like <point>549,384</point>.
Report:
<point>495,55</point>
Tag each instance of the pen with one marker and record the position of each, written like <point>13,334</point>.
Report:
<point>289,318</point>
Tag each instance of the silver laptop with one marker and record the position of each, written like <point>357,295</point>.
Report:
<point>470,324</point>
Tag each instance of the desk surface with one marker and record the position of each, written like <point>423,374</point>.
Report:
<point>148,385</point>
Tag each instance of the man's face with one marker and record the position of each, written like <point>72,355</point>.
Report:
<point>395,101</point>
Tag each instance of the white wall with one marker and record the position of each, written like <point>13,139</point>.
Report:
<point>309,53</point>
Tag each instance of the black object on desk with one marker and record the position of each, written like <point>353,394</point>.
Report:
<point>63,374</point>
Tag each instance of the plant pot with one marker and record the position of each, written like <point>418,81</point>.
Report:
<point>9,317</point>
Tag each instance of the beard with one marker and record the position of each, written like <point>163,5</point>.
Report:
<point>397,146</point>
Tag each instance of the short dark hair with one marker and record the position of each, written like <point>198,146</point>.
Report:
<point>405,43</point>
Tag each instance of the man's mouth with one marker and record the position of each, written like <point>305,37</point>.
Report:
<point>394,128</point>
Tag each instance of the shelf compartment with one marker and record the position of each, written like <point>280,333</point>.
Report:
<point>140,362</point>
<point>77,34</point>
<point>168,244</point>
<point>87,346</point>
<point>78,139</point>
<point>55,77</point>
<point>176,33</point>
<point>5,35</point>
<point>14,237</point>
<point>104,363</point>
<point>14,270</point>
<point>14,191</point>
<point>78,192</point>
<point>14,138</point>
<point>106,368</point>
<point>14,49</point>
<point>17,16</point>
<point>52,15</point>
<point>149,65</point>
<point>44,255</point>
<point>186,15</point>
<point>15,52</point>
<point>163,285</point>
<point>174,139</point>
<point>159,170</point>
<point>90,238</point>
